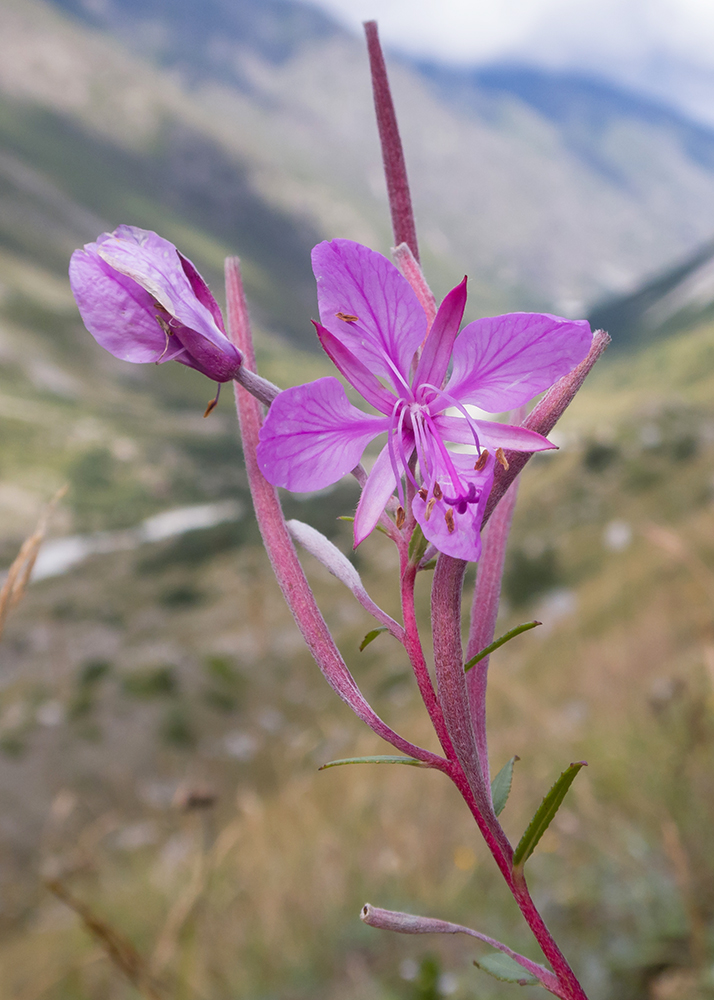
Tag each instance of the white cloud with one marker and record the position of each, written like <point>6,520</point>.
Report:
<point>664,47</point>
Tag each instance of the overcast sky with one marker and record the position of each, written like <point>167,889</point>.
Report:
<point>664,47</point>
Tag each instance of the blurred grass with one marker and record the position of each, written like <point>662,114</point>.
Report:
<point>140,676</point>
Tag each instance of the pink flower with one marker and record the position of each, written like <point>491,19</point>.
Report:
<point>372,328</point>
<point>144,301</point>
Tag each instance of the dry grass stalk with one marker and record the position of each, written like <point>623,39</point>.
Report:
<point>121,952</point>
<point>18,576</point>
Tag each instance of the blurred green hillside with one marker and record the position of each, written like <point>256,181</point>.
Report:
<point>141,678</point>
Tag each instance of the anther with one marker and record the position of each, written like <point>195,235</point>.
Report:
<point>213,403</point>
<point>164,326</point>
<point>449,518</point>
<point>401,516</point>
<point>346,317</point>
<point>429,508</point>
<point>501,458</point>
<point>436,490</point>
<point>481,461</point>
<point>424,493</point>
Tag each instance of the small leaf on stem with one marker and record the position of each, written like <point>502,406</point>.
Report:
<point>544,814</point>
<point>371,636</point>
<point>503,968</point>
<point>350,518</point>
<point>379,759</point>
<point>501,786</point>
<point>499,642</point>
<point>418,545</point>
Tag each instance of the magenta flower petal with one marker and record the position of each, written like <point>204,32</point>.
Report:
<point>143,301</point>
<point>436,355</point>
<point>357,374</point>
<point>491,435</point>
<point>380,485</point>
<point>159,271</point>
<point>313,436</point>
<point>120,315</point>
<point>372,325</point>
<point>202,291</point>
<point>455,527</point>
<point>503,361</point>
<point>390,324</point>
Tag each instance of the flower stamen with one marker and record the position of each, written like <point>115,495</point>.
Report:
<point>481,461</point>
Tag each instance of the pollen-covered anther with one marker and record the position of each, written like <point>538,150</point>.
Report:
<point>482,459</point>
<point>401,516</point>
<point>501,458</point>
<point>429,508</point>
<point>449,518</point>
<point>424,493</point>
<point>164,326</point>
<point>436,491</point>
<point>347,317</point>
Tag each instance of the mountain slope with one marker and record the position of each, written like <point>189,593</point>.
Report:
<point>677,299</point>
<point>548,191</point>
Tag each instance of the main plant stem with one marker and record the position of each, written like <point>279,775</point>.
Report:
<point>468,777</point>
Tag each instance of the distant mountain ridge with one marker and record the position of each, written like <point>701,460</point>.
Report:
<point>252,124</point>
<point>583,105</point>
<point>199,38</point>
<point>675,300</point>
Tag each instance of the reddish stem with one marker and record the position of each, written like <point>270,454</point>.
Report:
<point>284,560</point>
<point>395,168</point>
<point>415,652</point>
<point>446,626</point>
<point>484,612</point>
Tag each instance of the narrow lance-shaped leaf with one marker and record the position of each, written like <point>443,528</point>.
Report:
<point>499,642</point>
<point>350,520</point>
<point>339,565</point>
<point>544,815</point>
<point>371,636</point>
<point>418,545</point>
<point>379,759</point>
<point>503,968</point>
<point>523,970</point>
<point>501,786</point>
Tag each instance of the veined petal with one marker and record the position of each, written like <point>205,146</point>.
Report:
<point>380,485</point>
<point>439,344</point>
<point>155,265</point>
<point>390,324</point>
<point>491,435</point>
<point>503,361</point>
<point>455,529</point>
<point>119,313</point>
<point>202,291</point>
<point>313,435</point>
<point>357,374</point>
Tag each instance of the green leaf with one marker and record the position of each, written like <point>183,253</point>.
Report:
<point>500,642</point>
<point>349,517</point>
<point>501,786</point>
<point>417,546</point>
<point>430,565</point>
<point>381,759</point>
<point>544,814</point>
<point>506,969</point>
<point>371,636</point>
